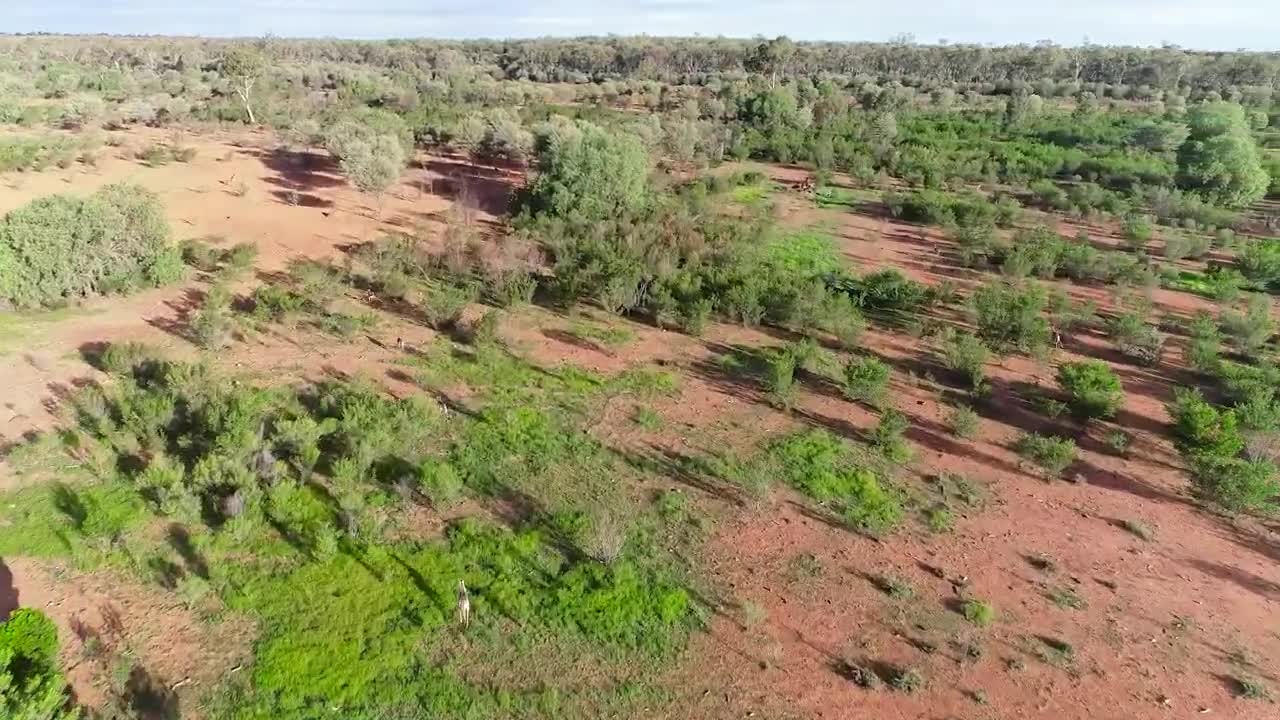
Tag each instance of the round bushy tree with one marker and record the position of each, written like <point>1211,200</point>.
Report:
<point>589,173</point>
<point>1220,159</point>
<point>1092,388</point>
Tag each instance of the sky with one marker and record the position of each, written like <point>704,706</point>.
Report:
<point>1199,24</point>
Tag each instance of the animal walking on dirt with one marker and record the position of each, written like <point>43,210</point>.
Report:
<point>464,605</point>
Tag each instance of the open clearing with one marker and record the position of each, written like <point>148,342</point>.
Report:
<point>1161,623</point>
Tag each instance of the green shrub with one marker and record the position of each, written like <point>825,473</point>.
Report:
<point>963,422</point>
<point>31,637</point>
<point>588,172</point>
<point>866,379</point>
<point>963,353</point>
<point>31,686</point>
<point>440,483</point>
<point>1118,442</point>
<point>121,358</point>
<point>887,436</point>
<point>1092,388</point>
<point>978,612</point>
<point>1259,260</point>
<point>1199,427</point>
<point>443,306</point>
<point>907,680</point>
<point>212,324</point>
<point>1233,483</point>
<point>63,247</point>
<point>274,303</point>
<point>780,376</point>
<point>1010,317</point>
<point>1051,454</point>
<point>1253,328</point>
<point>1136,339</point>
<point>1204,343</point>
<point>1137,230</point>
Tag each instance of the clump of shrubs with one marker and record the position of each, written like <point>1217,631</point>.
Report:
<point>1010,317</point>
<point>1212,441</point>
<point>866,380</point>
<point>964,354</point>
<point>64,247</point>
<point>1092,388</point>
<point>1053,455</point>
<point>963,422</point>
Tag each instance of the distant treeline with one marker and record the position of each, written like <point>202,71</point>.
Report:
<point>1044,68</point>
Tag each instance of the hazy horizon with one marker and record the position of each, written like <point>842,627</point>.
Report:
<point>1236,24</point>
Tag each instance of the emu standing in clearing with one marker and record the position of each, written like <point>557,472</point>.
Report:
<point>464,605</point>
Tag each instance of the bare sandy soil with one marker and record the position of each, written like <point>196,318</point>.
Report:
<point>1159,626</point>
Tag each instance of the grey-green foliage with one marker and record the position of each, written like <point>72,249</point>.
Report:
<point>62,247</point>
<point>1220,159</point>
<point>371,149</point>
<point>588,172</point>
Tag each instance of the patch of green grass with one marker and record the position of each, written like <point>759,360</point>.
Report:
<point>830,196</point>
<point>283,500</point>
<point>82,521</point>
<point>502,376</point>
<point>805,253</point>
<point>16,328</point>
<point>391,597</point>
<point>824,468</point>
<point>750,195</point>
<point>607,336</point>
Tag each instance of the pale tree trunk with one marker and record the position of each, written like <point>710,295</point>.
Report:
<point>243,92</point>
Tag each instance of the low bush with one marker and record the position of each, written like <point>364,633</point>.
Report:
<point>823,467</point>
<point>964,354</point>
<point>1092,388</point>
<point>213,324</point>
<point>1136,339</point>
<point>866,379</point>
<point>1212,441</point>
<point>1137,231</point>
<point>978,612</point>
<point>1009,317</point>
<point>1248,331</point>
<point>1051,454</point>
<point>963,422</point>
<point>31,685</point>
<point>1204,343</point>
<point>63,247</point>
<point>887,436</point>
<point>1259,260</point>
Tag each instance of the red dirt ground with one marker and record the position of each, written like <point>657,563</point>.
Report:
<point>1165,622</point>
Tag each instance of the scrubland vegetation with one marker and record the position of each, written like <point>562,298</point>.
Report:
<point>1066,192</point>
